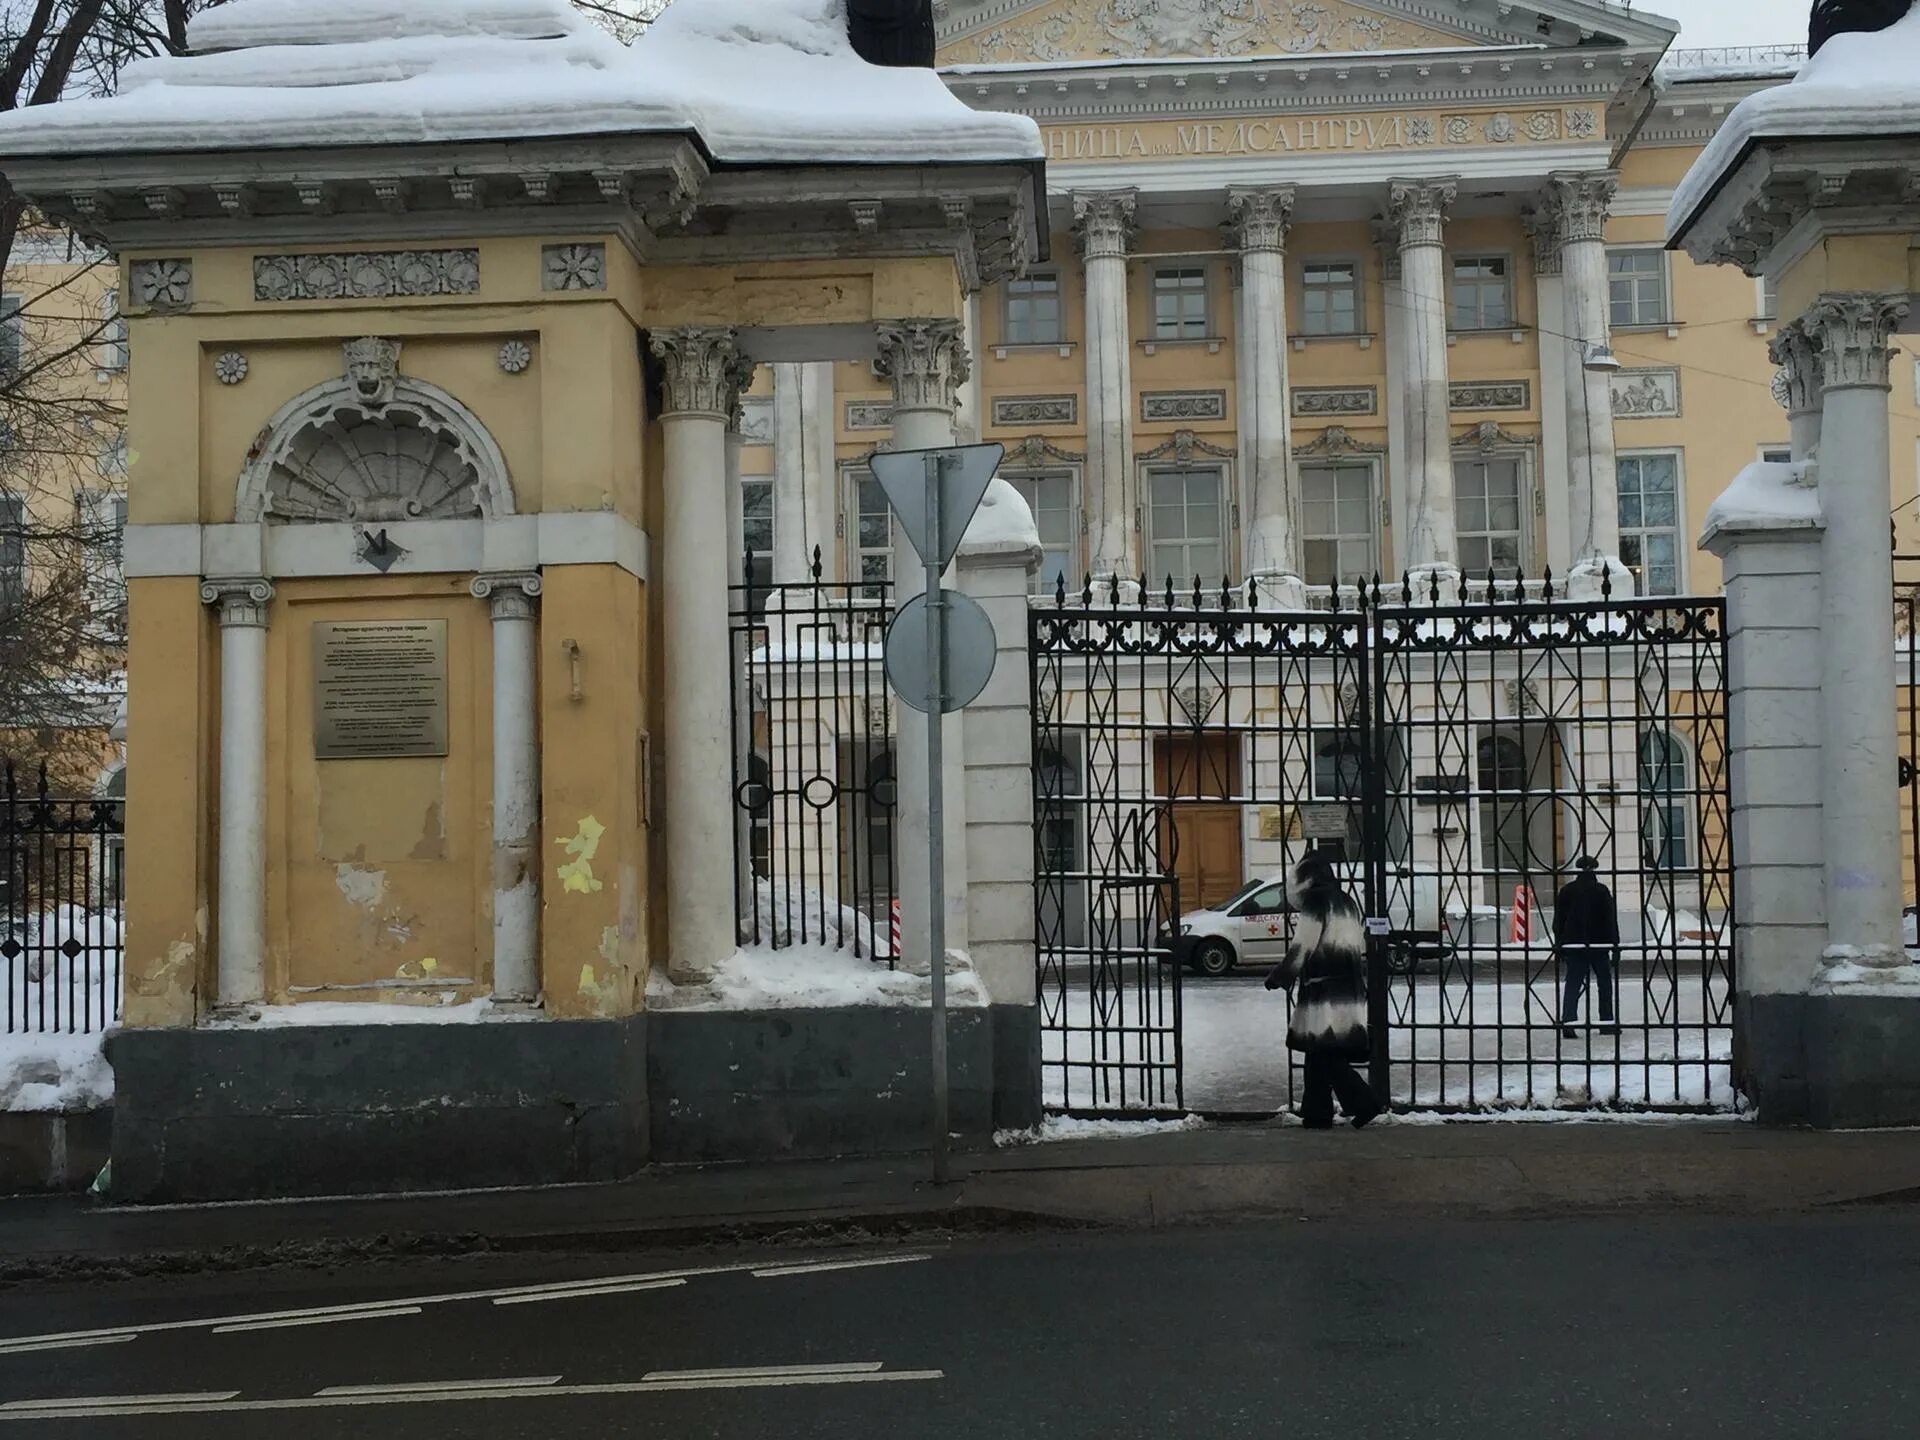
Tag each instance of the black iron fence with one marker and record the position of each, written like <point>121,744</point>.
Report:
<point>813,781</point>
<point>1463,759</point>
<point>61,875</point>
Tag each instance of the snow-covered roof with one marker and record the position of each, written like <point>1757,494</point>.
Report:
<point>1858,85</point>
<point>1767,495</point>
<point>759,81</point>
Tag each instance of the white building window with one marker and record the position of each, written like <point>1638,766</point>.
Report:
<point>1666,834</point>
<point>1650,520</point>
<point>1777,454</point>
<point>101,517</point>
<point>1050,496</point>
<point>1637,287</point>
<point>1769,297</point>
<point>1188,536</point>
<point>1180,303</point>
<point>756,533</point>
<point>1489,515</point>
<point>13,546</point>
<point>1330,297</point>
<point>1482,292</point>
<point>13,334</point>
<point>1336,524</point>
<point>871,554</point>
<point>112,354</point>
<point>1033,314</point>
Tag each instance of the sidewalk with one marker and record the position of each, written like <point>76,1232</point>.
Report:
<point>1216,1174</point>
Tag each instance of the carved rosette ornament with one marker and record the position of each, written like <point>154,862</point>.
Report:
<point>1581,203</point>
<point>1853,330</point>
<point>700,362</point>
<point>1796,350</point>
<point>926,360</point>
<point>240,600</point>
<point>1258,219</point>
<point>509,593</point>
<point>1417,210</point>
<point>1104,220</point>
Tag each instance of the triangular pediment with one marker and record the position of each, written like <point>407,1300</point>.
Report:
<point>1049,32</point>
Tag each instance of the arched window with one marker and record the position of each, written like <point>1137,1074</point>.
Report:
<point>1666,787</point>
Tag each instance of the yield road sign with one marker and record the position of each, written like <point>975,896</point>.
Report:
<point>970,646</point>
<point>965,472</point>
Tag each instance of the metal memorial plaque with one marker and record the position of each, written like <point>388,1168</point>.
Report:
<point>379,688</point>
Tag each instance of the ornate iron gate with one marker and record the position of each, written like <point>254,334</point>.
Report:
<point>1459,760</point>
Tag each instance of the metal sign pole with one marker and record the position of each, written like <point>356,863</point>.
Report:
<point>936,816</point>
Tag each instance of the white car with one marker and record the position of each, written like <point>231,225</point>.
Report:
<point>1252,926</point>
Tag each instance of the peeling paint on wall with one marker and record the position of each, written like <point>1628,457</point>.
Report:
<point>577,874</point>
<point>365,888</point>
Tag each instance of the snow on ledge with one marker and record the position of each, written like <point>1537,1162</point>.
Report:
<point>1858,85</point>
<point>760,81</point>
<point>1767,495</point>
<point>811,977</point>
<point>1003,523</point>
<point>369,1012</point>
<point>1068,1127</point>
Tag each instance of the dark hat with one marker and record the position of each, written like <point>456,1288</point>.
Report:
<point>1587,862</point>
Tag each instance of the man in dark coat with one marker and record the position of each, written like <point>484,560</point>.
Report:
<point>1586,936</point>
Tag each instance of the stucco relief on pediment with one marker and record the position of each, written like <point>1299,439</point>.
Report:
<point>1140,29</point>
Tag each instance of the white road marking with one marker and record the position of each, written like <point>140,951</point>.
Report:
<point>287,1322</point>
<point>436,1387</point>
<point>581,1291</point>
<point>19,1409</point>
<point>770,1272</point>
<point>766,1372</point>
<point>23,1347</point>
<point>108,1406</point>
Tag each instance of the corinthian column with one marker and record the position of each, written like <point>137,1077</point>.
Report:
<point>1579,205</point>
<point>926,360</point>
<point>1859,750</point>
<point>1417,211</point>
<point>704,374</point>
<point>1259,222</point>
<point>241,905</point>
<point>1796,350</point>
<point>516,783</point>
<point>1104,219</point>
<point>1556,403</point>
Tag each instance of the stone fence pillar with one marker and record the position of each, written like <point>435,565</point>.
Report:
<point>997,569</point>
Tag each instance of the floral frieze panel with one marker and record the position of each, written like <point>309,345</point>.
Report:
<point>1137,29</point>
<point>1311,400</point>
<point>366,274</point>
<point>1489,395</point>
<point>1183,405</point>
<point>1035,409</point>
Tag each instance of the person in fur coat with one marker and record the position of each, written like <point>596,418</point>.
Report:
<point>1326,967</point>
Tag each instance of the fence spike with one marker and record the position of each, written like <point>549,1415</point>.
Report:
<point>1546,583</point>
<point>1086,594</point>
<point>818,566</point>
<point>1606,581</point>
<point>1226,593</point>
<point>1060,590</point>
<point>1170,601</point>
<point>1145,593</point>
<point>1197,602</point>
<point>1433,578</point>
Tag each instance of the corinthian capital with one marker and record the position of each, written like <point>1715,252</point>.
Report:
<point>1796,350</point>
<point>1417,210</point>
<point>702,364</point>
<point>1104,219</point>
<point>1259,218</point>
<point>926,360</point>
<point>1853,328</point>
<point>1581,201</point>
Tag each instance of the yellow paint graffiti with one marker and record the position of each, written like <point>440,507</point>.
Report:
<point>577,874</point>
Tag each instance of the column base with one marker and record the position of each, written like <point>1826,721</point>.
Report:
<point>1279,590</point>
<point>1113,590</point>
<point>1602,577</point>
<point>1427,585</point>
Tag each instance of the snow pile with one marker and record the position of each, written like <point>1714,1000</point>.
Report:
<point>43,1073</point>
<point>1865,85</point>
<point>1003,521</point>
<point>1766,495</point>
<point>810,977</point>
<point>758,80</point>
<point>1068,1127</point>
<point>786,914</point>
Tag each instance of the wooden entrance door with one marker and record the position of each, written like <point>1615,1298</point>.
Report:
<point>1191,770</point>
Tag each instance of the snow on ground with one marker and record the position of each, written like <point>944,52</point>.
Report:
<point>758,80</point>
<point>1859,84</point>
<point>43,1072</point>
<point>1069,1127</point>
<point>55,1009</point>
<point>811,977</point>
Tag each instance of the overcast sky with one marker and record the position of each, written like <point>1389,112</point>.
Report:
<point>1734,22</point>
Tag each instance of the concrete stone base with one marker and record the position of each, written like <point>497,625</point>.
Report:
<point>341,1109</point>
<point>760,1084</point>
<point>52,1151</point>
<point>1836,1061</point>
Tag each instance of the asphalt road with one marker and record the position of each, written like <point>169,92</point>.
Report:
<point>1623,1329</point>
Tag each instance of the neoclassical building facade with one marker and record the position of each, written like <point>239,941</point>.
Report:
<point>1327,292</point>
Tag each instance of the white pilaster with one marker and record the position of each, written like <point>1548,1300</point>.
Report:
<point>704,372</point>
<point>1860,754</point>
<point>926,361</point>
<point>804,474</point>
<point>1580,203</point>
<point>516,783</point>
<point>1393,337</point>
<point>1105,221</point>
<point>1417,209</point>
<point>241,905</point>
<point>1556,403</point>
<point>1258,224</point>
